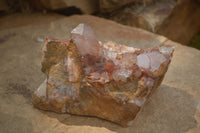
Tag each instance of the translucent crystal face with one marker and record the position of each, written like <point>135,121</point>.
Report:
<point>85,40</point>
<point>150,60</point>
<point>143,61</point>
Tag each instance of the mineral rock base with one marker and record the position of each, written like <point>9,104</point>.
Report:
<point>106,80</point>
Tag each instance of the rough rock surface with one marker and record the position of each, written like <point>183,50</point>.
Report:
<point>174,107</point>
<point>53,4</point>
<point>148,16</point>
<point>183,22</point>
<point>3,5</point>
<point>110,5</point>
<point>6,23</point>
<point>86,6</point>
<point>107,80</point>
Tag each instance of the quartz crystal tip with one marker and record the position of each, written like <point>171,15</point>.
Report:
<point>85,40</point>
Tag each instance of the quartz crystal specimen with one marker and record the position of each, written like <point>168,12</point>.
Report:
<point>106,80</point>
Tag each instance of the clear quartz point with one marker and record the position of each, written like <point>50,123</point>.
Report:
<point>85,40</point>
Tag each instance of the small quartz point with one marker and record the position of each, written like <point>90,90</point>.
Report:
<point>85,40</point>
<point>106,80</point>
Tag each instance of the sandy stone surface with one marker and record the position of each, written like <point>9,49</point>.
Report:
<point>174,108</point>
